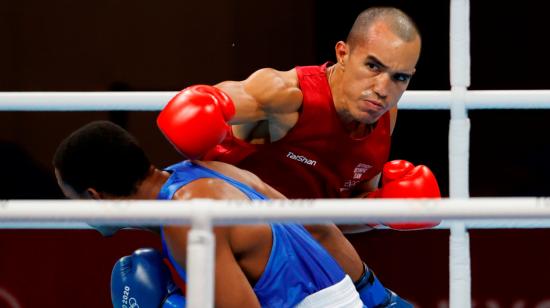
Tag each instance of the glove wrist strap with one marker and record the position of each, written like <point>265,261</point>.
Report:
<point>371,290</point>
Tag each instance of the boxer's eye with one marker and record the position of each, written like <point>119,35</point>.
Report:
<point>373,66</point>
<point>401,77</point>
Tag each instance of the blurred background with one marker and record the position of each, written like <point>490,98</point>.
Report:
<point>166,45</point>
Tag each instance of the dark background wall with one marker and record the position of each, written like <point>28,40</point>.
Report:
<point>116,45</point>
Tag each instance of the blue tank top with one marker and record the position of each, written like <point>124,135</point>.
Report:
<point>298,265</point>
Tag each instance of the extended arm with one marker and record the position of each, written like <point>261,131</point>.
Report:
<point>198,117</point>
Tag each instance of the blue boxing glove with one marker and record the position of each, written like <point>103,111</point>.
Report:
<point>143,280</point>
<point>374,295</point>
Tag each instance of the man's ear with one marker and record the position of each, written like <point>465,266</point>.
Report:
<point>94,194</point>
<point>342,52</point>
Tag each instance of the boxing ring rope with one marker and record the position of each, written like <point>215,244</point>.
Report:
<point>307,211</point>
<point>203,214</point>
<point>155,100</point>
<point>526,223</point>
<point>465,212</point>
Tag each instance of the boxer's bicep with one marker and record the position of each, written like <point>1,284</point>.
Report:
<point>232,288</point>
<point>267,93</point>
<point>247,107</point>
<point>176,242</point>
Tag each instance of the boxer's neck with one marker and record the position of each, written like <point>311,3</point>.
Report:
<point>150,187</point>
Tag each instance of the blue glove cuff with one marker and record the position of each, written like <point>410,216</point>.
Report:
<point>374,295</point>
<point>174,301</point>
<point>371,290</point>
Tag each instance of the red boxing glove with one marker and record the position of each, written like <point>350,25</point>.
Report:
<point>195,120</point>
<point>401,179</point>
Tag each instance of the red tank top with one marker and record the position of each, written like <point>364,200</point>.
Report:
<point>317,158</point>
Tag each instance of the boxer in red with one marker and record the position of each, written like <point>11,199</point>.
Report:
<point>313,131</point>
<point>328,126</point>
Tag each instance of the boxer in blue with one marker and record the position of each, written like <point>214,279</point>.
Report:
<point>275,265</point>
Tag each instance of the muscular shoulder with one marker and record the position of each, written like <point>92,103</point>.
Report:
<point>244,176</point>
<point>208,188</point>
<point>241,175</point>
<point>275,90</point>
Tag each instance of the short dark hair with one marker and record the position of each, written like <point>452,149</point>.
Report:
<point>399,22</point>
<point>103,156</point>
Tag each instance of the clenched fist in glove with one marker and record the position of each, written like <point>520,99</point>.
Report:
<point>195,120</point>
<point>143,280</point>
<point>401,179</point>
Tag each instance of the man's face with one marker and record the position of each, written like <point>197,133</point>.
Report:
<point>377,71</point>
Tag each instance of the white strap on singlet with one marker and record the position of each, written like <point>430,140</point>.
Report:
<point>343,294</point>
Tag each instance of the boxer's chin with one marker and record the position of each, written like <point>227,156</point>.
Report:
<point>366,117</point>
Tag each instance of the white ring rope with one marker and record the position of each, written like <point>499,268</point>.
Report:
<point>228,212</point>
<point>203,213</point>
<point>154,101</point>
<point>470,224</point>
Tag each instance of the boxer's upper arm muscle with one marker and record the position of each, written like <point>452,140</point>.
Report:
<point>265,93</point>
<point>232,288</point>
